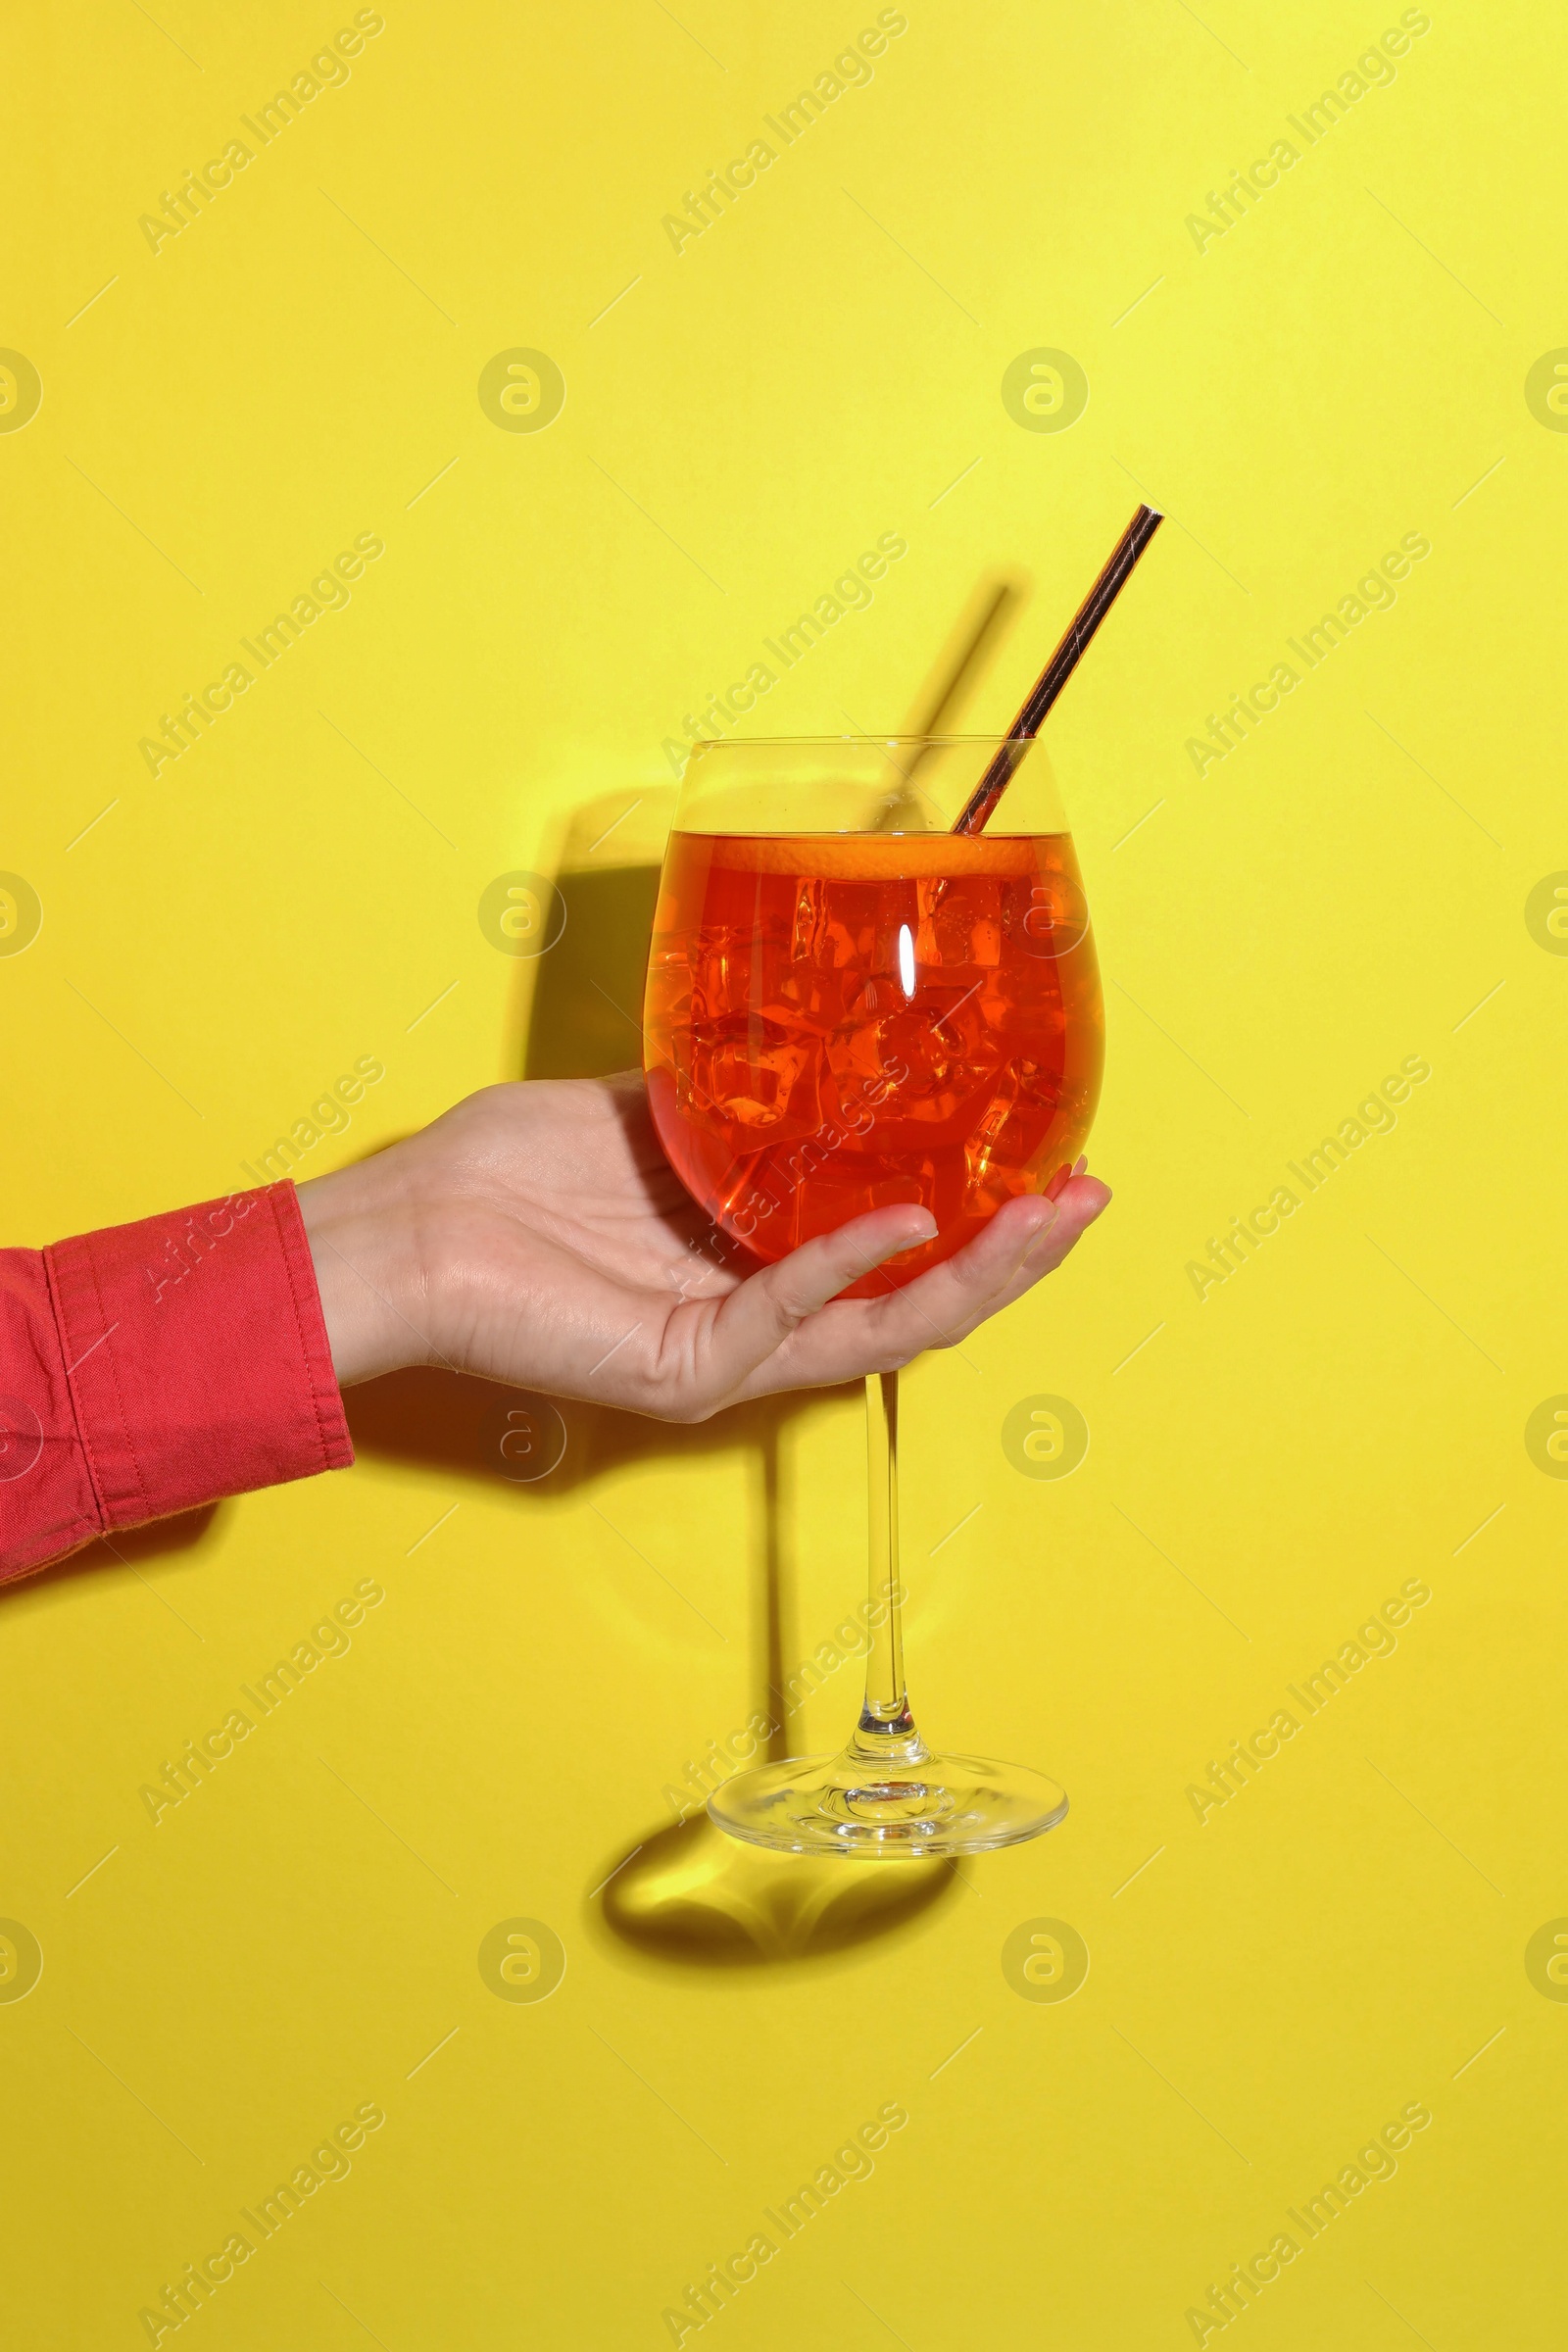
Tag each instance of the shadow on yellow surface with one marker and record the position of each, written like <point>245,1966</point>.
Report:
<point>693,1894</point>
<point>128,1548</point>
<point>585,1012</point>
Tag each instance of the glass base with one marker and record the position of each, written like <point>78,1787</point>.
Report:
<point>880,1810</point>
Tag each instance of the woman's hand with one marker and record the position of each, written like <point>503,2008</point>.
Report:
<point>537,1234</point>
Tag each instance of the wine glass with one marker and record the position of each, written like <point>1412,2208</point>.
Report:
<point>850,1006</point>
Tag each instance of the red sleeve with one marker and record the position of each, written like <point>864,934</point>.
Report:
<point>153,1367</point>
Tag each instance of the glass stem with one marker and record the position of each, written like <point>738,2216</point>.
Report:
<point>886,1730</point>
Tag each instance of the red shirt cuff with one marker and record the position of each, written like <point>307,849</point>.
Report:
<point>185,1358</point>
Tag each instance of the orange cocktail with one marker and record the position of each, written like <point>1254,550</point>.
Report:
<point>839,1021</point>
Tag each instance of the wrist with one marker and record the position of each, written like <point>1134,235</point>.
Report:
<point>361,1236</point>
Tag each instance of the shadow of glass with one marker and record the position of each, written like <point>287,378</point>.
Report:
<point>581,1004</point>
<point>692,1894</point>
<point>585,1010</point>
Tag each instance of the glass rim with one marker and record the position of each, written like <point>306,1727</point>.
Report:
<point>815,784</point>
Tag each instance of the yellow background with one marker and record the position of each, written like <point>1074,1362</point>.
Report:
<point>1343,366</point>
